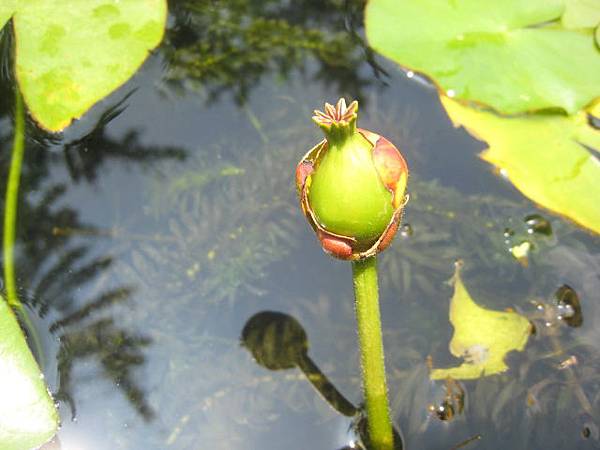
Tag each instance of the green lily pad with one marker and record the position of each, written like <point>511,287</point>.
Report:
<point>7,8</point>
<point>594,109</point>
<point>28,417</point>
<point>581,14</point>
<point>504,53</point>
<point>547,157</point>
<point>70,55</point>
<point>482,336</point>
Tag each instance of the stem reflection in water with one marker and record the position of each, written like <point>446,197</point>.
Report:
<point>277,341</point>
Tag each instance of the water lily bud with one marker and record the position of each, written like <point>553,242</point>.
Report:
<point>351,185</point>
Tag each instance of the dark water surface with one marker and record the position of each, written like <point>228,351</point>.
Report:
<point>155,228</point>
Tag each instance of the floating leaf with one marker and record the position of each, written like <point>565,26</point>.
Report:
<point>71,55</point>
<point>7,8</point>
<point>482,336</point>
<point>495,53</point>
<point>581,14</point>
<point>28,417</point>
<point>547,157</point>
<point>594,109</point>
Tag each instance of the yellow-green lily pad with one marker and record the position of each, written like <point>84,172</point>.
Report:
<point>548,157</point>
<point>482,336</point>
<point>513,55</point>
<point>28,417</point>
<point>581,14</point>
<point>594,108</point>
<point>70,55</point>
<point>7,8</point>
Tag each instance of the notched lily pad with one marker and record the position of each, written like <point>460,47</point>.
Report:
<point>482,336</point>
<point>71,55</point>
<point>28,417</point>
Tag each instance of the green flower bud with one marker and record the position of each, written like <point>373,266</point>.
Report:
<point>351,185</point>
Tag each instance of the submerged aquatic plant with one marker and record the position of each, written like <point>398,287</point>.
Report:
<point>228,47</point>
<point>352,191</point>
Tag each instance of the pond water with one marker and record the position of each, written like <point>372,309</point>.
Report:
<point>154,229</point>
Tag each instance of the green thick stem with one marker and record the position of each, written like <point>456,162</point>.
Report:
<point>10,222</point>
<point>371,353</point>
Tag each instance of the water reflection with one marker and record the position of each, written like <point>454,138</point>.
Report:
<point>228,47</point>
<point>116,349</point>
<point>451,403</point>
<point>53,269</point>
<point>277,341</point>
<point>568,306</point>
<point>84,156</point>
<point>538,224</point>
<point>564,307</point>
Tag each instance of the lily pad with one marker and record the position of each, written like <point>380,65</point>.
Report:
<point>506,54</point>
<point>482,336</point>
<point>549,158</point>
<point>28,417</point>
<point>7,8</point>
<point>594,109</point>
<point>70,55</point>
<point>581,14</point>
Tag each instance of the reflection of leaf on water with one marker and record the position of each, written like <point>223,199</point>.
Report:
<point>65,51</point>
<point>229,46</point>
<point>60,271</point>
<point>83,334</point>
<point>550,158</point>
<point>510,55</point>
<point>482,337</point>
<point>54,268</point>
<point>117,350</point>
<point>85,156</point>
